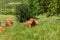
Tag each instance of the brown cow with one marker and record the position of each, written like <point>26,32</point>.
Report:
<point>31,22</point>
<point>1,29</point>
<point>9,22</point>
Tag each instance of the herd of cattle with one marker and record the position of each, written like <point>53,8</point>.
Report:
<point>31,22</point>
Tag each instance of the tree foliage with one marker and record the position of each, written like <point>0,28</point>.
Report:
<point>22,12</point>
<point>36,7</point>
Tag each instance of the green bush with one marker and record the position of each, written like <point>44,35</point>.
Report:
<point>34,7</point>
<point>22,12</point>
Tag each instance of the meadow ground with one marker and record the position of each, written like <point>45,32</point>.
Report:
<point>48,29</point>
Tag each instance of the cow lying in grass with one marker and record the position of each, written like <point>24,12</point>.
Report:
<point>8,22</point>
<point>31,22</point>
<point>1,28</point>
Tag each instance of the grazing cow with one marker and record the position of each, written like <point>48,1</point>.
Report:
<point>9,22</point>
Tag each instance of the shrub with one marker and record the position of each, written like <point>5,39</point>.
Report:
<point>22,12</point>
<point>34,7</point>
